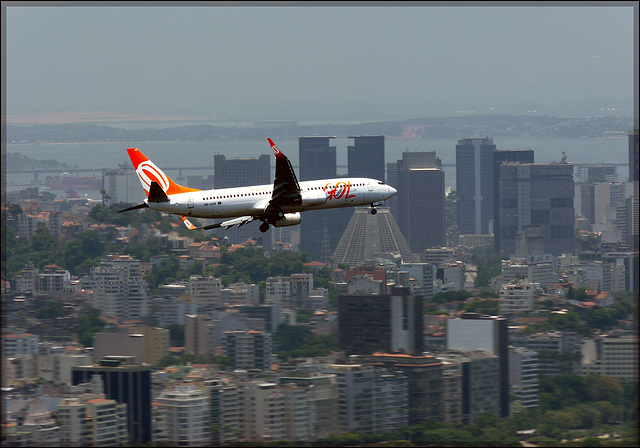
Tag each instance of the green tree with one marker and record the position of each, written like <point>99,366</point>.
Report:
<point>489,264</point>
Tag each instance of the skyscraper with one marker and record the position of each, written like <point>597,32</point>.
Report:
<point>474,184</point>
<point>317,158</point>
<point>318,161</point>
<point>125,382</point>
<point>421,200</point>
<point>366,157</point>
<point>499,157</point>
<point>537,195</point>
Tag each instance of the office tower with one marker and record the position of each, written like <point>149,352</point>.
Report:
<point>198,334</point>
<point>539,195</point>
<point>125,382</point>
<point>322,394</point>
<point>473,331</point>
<point>387,322</point>
<point>452,403</point>
<point>120,289</point>
<point>187,410</point>
<point>421,200</point>
<point>500,157</point>
<point>239,172</point>
<point>424,379</point>
<point>392,180</point>
<point>317,160</point>
<point>224,411</point>
<point>523,376</point>
<point>248,349</point>
<point>475,184</point>
<point>366,157</point>
<point>368,237</point>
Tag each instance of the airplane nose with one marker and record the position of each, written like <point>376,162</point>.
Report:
<point>392,191</point>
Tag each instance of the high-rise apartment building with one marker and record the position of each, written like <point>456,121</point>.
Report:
<point>424,380</point>
<point>366,157</point>
<point>224,411</point>
<point>322,393</point>
<point>92,422</point>
<point>523,376</point>
<point>187,412</point>
<point>125,382</point>
<point>246,350</point>
<point>262,411</point>
<point>420,185</point>
<point>120,289</point>
<point>611,355</point>
<point>539,196</point>
<point>386,322</point>
<point>472,332</point>
<point>198,334</point>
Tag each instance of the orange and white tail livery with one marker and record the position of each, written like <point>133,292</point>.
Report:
<point>148,172</point>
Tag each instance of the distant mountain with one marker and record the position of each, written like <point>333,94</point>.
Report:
<point>448,127</point>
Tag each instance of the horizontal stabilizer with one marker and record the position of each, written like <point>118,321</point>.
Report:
<point>135,207</point>
<point>156,193</point>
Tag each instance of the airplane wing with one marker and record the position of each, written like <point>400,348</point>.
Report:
<point>286,190</point>
<point>242,220</point>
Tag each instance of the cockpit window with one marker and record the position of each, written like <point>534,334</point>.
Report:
<point>380,183</point>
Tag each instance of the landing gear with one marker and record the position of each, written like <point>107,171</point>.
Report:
<point>264,227</point>
<point>373,211</point>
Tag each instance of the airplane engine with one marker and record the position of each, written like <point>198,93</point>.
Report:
<point>289,219</point>
<point>313,197</point>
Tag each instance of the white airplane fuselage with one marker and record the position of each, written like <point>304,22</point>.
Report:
<point>252,200</point>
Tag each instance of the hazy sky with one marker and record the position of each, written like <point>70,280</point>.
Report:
<point>215,61</point>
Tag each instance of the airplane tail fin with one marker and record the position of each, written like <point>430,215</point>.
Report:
<point>148,173</point>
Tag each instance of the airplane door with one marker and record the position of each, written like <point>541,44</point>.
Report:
<point>190,203</point>
<point>369,186</point>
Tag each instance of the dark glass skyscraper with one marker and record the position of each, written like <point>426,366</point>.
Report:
<point>124,382</point>
<point>475,185</point>
<point>318,161</point>
<point>537,195</point>
<point>366,157</point>
<point>500,156</point>
<point>420,195</point>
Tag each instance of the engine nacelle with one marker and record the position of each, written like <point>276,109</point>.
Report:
<point>289,219</point>
<point>313,197</point>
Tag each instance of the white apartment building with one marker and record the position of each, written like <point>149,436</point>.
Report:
<point>297,413</point>
<point>94,422</point>
<point>612,355</point>
<point>250,349</point>
<point>187,411</point>
<point>225,407</point>
<point>262,411</point>
<point>523,377</point>
<point>20,344</point>
<point>517,297</point>
<point>205,291</point>
<point>537,268</point>
<point>120,289</point>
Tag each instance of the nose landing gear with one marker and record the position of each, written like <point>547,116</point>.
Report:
<point>264,227</point>
<point>373,211</point>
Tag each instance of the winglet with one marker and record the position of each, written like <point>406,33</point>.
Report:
<point>276,151</point>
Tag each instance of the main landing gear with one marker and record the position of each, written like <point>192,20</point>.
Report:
<point>264,227</point>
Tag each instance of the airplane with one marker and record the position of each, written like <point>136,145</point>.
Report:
<point>278,205</point>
